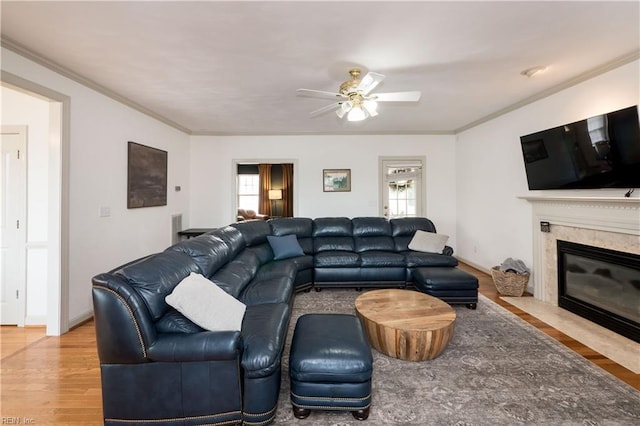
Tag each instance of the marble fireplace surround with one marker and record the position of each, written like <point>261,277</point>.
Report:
<point>612,223</point>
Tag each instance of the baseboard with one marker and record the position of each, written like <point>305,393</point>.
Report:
<point>35,320</point>
<point>474,265</point>
<point>80,319</point>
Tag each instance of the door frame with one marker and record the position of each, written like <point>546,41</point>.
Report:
<point>58,235</point>
<point>21,131</point>
<point>382,186</point>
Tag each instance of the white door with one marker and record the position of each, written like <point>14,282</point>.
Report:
<point>401,187</point>
<point>13,221</point>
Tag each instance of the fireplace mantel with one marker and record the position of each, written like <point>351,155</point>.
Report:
<point>611,222</point>
<point>614,214</point>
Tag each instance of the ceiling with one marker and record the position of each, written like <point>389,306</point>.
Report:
<point>233,67</point>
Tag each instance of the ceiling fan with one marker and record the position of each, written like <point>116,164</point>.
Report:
<point>355,100</point>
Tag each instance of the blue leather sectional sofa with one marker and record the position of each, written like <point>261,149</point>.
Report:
<point>159,368</point>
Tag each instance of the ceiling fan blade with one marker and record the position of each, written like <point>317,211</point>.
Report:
<point>319,94</point>
<point>369,82</point>
<point>325,109</point>
<point>397,96</point>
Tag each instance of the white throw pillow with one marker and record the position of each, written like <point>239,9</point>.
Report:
<point>206,304</point>
<point>428,242</point>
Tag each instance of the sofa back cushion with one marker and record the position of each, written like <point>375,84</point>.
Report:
<point>372,233</point>
<point>253,232</point>
<point>332,233</point>
<point>208,251</point>
<point>235,275</point>
<point>154,277</point>
<point>403,228</point>
<point>301,227</point>
<point>232,237</point>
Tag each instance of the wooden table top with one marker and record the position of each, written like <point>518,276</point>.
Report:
<point>405,310</point>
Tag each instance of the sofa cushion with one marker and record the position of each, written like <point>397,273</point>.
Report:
<point>379,259</point>
<point>154,277</point>
<point>278,268</point>
<point>407,226</point>
<point>428,242</point>
<point>321,244</point>
<point>336,259</point>
<point>285,246</point>
<point>415,259</point>
<point>208,251</point>
<point>174,322</point>
<point>299,226</point>
<point>363,244</point>
<point>272,290</point>
<point>254,232</point>
<point>232,237</point>
<point>262,252</point>
<point>264,330</point>
<point>206,304</point>
<point>332,227</point>
<point>371,227</point>
<point>235,275</point>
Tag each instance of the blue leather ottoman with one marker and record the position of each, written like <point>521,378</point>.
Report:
<point>330,365</point>
<point>451,285</point>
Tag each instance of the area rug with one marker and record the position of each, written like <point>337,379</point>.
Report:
<point>497,370</point>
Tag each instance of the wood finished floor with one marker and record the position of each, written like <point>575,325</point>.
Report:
<point>56,380</point>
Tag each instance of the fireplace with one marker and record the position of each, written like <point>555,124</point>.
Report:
<point>601,285</point>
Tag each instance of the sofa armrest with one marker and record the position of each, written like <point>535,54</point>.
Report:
<point>204,346</point>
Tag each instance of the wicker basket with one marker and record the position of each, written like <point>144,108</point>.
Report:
<point>509,283</point>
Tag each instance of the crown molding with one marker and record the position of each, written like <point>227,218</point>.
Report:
<point>360,133</point>
<point>608,66</point>
<point>56,67</point>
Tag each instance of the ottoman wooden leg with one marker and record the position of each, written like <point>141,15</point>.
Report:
<point>301,413</point>
<point>361,414</point>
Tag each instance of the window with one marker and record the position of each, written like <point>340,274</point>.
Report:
<point>248,192</point>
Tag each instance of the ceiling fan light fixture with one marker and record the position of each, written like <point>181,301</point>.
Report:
<point>356,114</point>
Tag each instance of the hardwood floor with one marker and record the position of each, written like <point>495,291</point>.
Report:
<point>56,380</point>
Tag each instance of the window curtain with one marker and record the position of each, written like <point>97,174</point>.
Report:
<point>287,190</point>
<point>264,170</point>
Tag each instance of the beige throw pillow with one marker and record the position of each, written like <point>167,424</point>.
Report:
<point>428,242</point>
<point>206,304</point>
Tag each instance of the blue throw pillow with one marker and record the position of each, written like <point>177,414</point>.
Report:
<point>285,246</point>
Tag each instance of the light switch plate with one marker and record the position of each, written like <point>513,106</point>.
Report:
<point>105,211</point>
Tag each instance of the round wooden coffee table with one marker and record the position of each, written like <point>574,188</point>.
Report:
<point>406,324</point>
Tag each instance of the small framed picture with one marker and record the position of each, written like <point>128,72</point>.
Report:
<point>336,180</point>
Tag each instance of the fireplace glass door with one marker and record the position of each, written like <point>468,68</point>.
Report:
<point>601,285</point>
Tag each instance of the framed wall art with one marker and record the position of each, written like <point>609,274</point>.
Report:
<point>146,176</point>
<point>336,180</point>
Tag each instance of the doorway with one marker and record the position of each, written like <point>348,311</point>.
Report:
<point>52,253</point>
<point>13,224</point>
<point>401,186</point>
<point>270,195</point>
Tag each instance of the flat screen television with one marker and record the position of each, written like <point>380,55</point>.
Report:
<point>598,152</point>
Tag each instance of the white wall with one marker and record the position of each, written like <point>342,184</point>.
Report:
<point>19,109</point>
<point>493,223</point>
<point>212,182</point>
<point>99,130</point>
